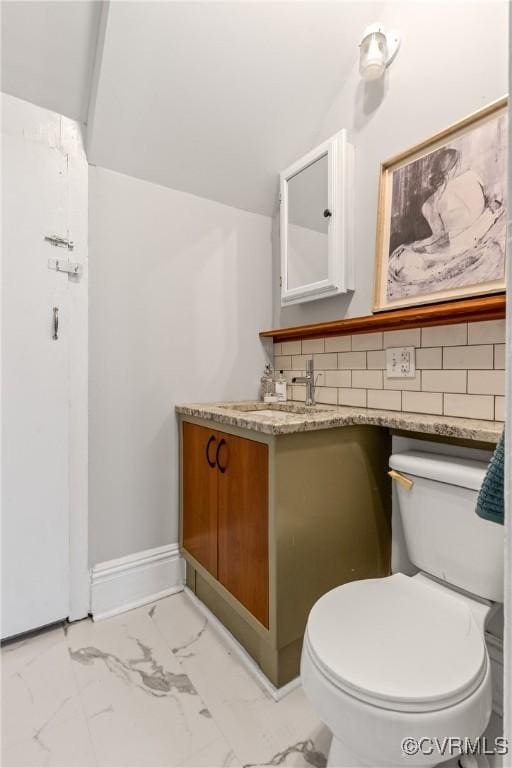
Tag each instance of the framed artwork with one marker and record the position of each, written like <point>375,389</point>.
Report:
<point>442,219</point>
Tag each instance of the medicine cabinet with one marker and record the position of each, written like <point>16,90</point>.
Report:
<point>316,223</point>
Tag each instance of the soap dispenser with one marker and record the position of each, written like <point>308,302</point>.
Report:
<point>280,388</point>
<point>267,382</point>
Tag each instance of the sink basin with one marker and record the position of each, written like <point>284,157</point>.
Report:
<point>269,409</point>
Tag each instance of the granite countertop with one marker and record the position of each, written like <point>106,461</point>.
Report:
<point>262,417</point>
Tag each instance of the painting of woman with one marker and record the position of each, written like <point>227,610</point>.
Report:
<point>447,218</point>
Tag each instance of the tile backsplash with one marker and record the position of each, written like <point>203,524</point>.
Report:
<point>459,370</point>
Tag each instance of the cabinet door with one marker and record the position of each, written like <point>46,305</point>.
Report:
<point>243,522</point>
<point>199,473</point>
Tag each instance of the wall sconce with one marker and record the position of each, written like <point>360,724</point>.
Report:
<point>377,50</point>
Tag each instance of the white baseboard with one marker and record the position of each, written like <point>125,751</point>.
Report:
<point>129,582</point>
<point>276,693</point>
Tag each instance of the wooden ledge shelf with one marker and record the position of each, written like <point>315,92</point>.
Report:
<point>448,313</point>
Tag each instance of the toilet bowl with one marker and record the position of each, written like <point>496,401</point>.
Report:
<point>404,657</point>
<point>386,659</point>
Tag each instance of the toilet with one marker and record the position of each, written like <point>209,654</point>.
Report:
<point>405,656</point>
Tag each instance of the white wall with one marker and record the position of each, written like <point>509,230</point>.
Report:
<point>452,61</point>
<point>216,98</point>
<point>48,50</point>
<point>179,289</point>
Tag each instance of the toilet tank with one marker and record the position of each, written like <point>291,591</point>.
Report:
<point>443,534</point>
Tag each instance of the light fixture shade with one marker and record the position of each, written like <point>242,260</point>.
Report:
<point>373,55</point>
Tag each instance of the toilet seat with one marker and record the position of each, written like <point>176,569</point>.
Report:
<point>397,643</point>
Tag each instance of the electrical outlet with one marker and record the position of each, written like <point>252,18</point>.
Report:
<point>401,362</point>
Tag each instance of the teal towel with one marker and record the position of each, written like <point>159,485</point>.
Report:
<point>491,499</point>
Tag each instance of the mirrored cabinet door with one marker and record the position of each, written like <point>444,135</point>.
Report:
<point>308,225</point>
<point>316,223</point>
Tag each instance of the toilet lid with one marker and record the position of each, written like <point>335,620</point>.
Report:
<point>397,642</point>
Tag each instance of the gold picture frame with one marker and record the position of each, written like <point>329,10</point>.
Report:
<point>442,220</point>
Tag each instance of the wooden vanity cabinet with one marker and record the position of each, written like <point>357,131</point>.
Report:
<point>225,512</point>
<point>269,523</point>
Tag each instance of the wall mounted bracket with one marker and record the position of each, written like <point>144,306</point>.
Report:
<point>59,242</point>
<point>65,265</point>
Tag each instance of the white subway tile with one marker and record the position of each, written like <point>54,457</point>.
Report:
<point>383,399</point>
<point>413,383</point>
<point>376,360</point>
<point>486,382</point>
<point>422,402</point>
<point>478,356</point>
<point>487,332</point>
<point>298,392</point>
<point>353,397</point>
<point>443,381</point>
<point>429,357</point>
<point>408,337</point>
<point>338,344</point>
<point>278,348</point>
<point>499,356</point>
<point>364,341</point>
<point>282,361</point>
<point>326,395</point>
<point>367,379</point>
<point>352,360</point>
<point>299,362</point>
<point>469,406</point>
<point>445,335</point>
<point>312,345</point>
<point>499,408</point>
<point>338,379</point>
<point>291,347</point>
<point>326,361</point>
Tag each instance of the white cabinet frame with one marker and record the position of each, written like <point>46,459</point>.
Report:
<point>340,279</point>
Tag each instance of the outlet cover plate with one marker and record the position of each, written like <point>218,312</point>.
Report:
<point>401,362</point>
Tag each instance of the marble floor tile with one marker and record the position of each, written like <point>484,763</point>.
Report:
<point>39,690</point>
<point>260,730</point>
<point>216,755</point>
<point>157,686</point>
<point>67,744</point>
<point>142,709</point>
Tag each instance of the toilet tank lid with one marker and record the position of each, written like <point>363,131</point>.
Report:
<point>466,473</point>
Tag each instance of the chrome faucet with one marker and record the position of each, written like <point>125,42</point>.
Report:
<point>309,381</point>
